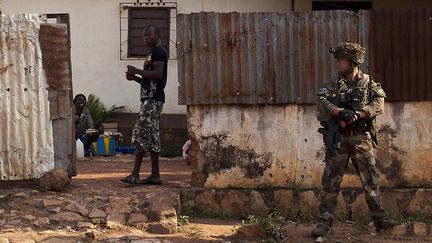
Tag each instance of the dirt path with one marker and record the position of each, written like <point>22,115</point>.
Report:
<point>103,172</point>
<point>203,230</point>
<point>96,185</point>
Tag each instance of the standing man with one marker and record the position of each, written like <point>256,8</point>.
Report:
<point>153,78</point>
<point>347,108</point>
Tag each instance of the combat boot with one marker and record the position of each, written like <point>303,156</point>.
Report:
<point>325,225</point>
<point>383,223</point>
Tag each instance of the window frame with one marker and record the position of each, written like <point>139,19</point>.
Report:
<point>165,40</point>
<point>124,20</point>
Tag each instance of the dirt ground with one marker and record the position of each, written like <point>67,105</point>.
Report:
<point>101,175</point>
<point>102,172</point>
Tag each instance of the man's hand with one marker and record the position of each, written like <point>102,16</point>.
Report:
<point>132,70</point>
<point>362,114</point>
<point>335,112</point>
<point>348,116</point>
<point>130,77</point>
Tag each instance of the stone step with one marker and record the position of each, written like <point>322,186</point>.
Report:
<point>240,203</point>
<point>153,210</point>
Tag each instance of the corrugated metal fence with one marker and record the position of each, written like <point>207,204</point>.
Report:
<point>401,52</point>
<point>280,58</point>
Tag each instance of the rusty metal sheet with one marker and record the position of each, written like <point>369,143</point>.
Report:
<point>55,44</point>
<point>26,138</point>
<point>401,57</point>
<point>259,58</point>
<point>311,34</point>
<point>281,58</point>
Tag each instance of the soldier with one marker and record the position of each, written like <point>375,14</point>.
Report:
<point>351,104</point>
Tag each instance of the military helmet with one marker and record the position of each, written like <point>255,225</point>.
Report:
<point>351,50</point>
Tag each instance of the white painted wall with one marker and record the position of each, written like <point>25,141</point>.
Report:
<point>96,66</point>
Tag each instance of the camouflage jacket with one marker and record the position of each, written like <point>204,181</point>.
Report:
<point>374,104</point>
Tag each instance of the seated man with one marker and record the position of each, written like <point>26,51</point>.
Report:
<point>83,122</point>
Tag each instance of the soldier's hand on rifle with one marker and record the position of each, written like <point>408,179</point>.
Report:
<point>336,112</point>
<point>348,116</point>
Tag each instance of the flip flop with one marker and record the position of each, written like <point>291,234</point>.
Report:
<point>131,180</point>
<point>151,181</point>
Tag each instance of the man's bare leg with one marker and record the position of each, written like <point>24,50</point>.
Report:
<point>154,178</point>
<point>155,174</point>
<point>138,161</point>
<point>133,178</point>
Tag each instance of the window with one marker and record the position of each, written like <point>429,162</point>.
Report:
<point>341,5</point>
<point>138,19</point>
<point>134,16</point>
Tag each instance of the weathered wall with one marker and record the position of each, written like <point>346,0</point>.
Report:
<point>54,42</point>
<point>95,32</point>
<point>278,146</point>
<point>26,136</point>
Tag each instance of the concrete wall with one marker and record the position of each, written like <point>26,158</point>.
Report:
<point>96,66</point>
<point>278,146</point>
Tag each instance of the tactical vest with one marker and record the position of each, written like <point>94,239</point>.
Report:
<point>355,98</point>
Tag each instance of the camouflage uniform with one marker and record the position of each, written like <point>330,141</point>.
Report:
<point>358,139</point>
<point>145,135</point>
<point>356,144</point>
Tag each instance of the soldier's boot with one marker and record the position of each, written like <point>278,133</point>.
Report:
<point>383,223</point>
<point>325,225</point>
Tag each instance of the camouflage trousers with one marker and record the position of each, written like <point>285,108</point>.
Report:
<point>360,149</point>
<point>145,135</point>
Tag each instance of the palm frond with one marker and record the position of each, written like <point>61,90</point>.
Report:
<point>98,111</point>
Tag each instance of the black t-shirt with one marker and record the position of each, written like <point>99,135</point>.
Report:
<point>154,89</point>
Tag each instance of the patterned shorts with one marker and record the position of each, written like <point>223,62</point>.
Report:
<point>145,135</point>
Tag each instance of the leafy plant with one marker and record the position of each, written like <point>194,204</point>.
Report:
<point>272,225</point>
<point>423,217</point>
<point>342,216</point>
<point>182,220</point>
<point>98,111</point>
<point>305,216</point>
<point>362,222</point>
<point>302,216</point>
<point>408,220</point>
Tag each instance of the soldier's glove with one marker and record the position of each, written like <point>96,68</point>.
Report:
<point>348,116</point>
